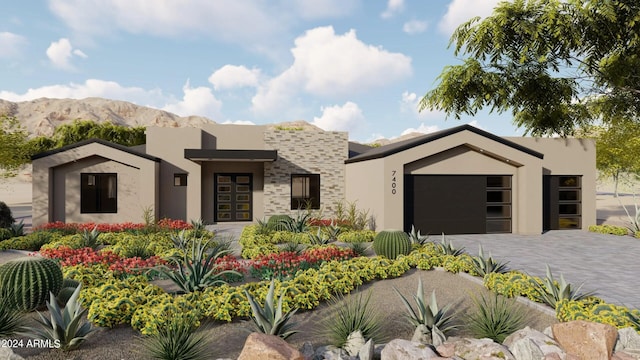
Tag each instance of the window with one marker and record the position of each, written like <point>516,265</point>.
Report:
<point>305,191</point>
<point>98,193</point>
<point>179,179</point>
<point>498,204</point>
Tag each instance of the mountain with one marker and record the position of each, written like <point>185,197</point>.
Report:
<point>42,116</point>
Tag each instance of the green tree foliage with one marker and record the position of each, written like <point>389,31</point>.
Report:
<point>617,150</point>
<point>557,65</point>
<point>16,148</point>
<point>80,130</point>
<point>13,149</point>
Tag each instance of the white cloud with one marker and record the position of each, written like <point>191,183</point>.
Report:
<point>410,104</point>
<point>476,124</point>
<point>330,65</point>
<point>11,44</point>
<point>425,129</point>
<point>90,88</point>
<point>60,53</point>
<point>460,11</point>
<point>239,122</point>
<point>347,117</point>
<point>232,76</point>
<point>393,7</point>
<point>415,27</point>
<point>196,101</point>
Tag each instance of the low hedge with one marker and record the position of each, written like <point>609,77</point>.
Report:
<point>31,242</point>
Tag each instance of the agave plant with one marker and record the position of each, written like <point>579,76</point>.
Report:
<point>436,320</point>
<point>196,269</point>
<point>487,265</point>
<point>65,326</point>
<point>446,247</point>
<point>333,230</point>
<point>17,229</point>
<point>318,238</point>
<point>270,319</point>
<point>552,291</point>
<point>416,237</point>
<point>634,319</point>
<point>180,240</point>
<point>359,248</point>
<point>297,225</point>
<point>198,227</point>
<point>262,227</point>
<point>90,238</point>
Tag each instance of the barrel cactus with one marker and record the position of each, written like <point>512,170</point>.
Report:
<point>391,243</point>
<point>29,281</point>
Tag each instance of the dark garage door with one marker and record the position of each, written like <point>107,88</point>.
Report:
<point>458,204</point>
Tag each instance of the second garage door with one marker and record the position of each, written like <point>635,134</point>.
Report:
<point>458,204</point>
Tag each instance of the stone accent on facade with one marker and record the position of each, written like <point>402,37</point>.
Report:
<point>305,152</point>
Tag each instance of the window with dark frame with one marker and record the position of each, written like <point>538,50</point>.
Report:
<point>98,193</point>
<point>179,179</point>
<point>305,191</point>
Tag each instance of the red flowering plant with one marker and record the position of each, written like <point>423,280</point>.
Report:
<point>75,228</point>
<point>121,266</point>
<point>287,263</point>
<point>230,262</point>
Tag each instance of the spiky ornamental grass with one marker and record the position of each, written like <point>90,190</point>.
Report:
<point>270,319</point>
<point>176,339</point>
<point>495,318</point>
<point>435,319</point>
<point>552,291</point>
<point>68,326</point>
<point>353,313</point>
<point>11,319</point>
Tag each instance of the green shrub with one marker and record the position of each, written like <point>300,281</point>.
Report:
<point>609,229</point>
<point>6,217</point>
<point>31,242</point>
<point>495,318</point>
<point>356,236</point>
<point>5,234</point>
<point>392,243</point>
<point>30,280</point>
<point>512,284</point>
<point>596,310</point>
<point>284,237</point>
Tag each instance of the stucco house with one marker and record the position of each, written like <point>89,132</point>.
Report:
<point>458,180</point>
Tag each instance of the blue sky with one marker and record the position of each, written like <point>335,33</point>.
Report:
<point>350,65</point>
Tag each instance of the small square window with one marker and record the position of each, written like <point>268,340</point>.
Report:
<point>179,179</point>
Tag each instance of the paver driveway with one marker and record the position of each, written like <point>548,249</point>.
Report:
<point>608,264</point>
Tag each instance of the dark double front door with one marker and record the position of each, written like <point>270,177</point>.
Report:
<point>233,197</point>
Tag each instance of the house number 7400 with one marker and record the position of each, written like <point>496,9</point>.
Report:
<point>394,184</point>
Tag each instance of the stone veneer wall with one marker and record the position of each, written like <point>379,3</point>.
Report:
<point>305,152</point>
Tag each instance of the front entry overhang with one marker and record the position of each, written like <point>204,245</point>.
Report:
<point>231,155</point>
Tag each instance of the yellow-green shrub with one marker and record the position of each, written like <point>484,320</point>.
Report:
<point>156,244</point>
<point>284,237</point>
<point>148,316</point>
<point>513,283</point>
<point>90,276</point>
<point>72,241</point>
<point>355,236</point>
<point>594,309</point>
<point>116,301</point>
<point>609,229</point>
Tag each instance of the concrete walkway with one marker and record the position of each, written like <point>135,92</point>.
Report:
<point>607,264</point>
